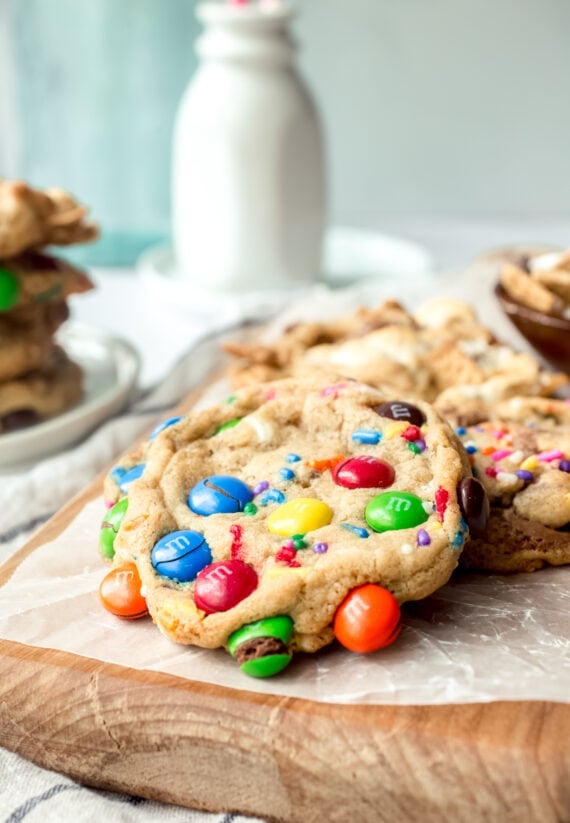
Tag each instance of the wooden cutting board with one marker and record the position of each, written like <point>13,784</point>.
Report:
<point>280,758</point>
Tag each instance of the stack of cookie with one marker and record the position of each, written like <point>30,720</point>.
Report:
<point>37,379</point>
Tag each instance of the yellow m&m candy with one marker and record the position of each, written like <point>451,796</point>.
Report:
<point>299,516</point>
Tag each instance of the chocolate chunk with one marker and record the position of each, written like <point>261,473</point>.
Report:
<point>20,419</point>
<point>398,410</point>
<point>474,505</point>
<point>260,647</point>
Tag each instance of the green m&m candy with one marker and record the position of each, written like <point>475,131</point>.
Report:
<point>110,526</point>
<point>395,510</point>
<point>261,648</point>
<point>9,289</point>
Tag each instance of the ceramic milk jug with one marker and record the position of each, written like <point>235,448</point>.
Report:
<point>248,160</point>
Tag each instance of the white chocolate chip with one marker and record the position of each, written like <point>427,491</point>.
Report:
<point>507,481</point>
<point>262,428</point>
<point>516,457</point>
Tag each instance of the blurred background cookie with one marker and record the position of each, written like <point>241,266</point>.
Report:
<point>524,465</point>
<point>37,379</point>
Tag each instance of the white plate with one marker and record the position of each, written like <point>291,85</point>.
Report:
<point>110,367</point>
<point>350,256</point>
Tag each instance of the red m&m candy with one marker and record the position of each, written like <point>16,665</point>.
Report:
<point>120,592</point>
<point>222,585</point>
<point>363,472</point>
<point>367,619</point>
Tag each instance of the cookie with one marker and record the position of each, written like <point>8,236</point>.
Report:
<point>441,354</point>
<point>26,338</point>
<point>534,412</point>
<point>391,356</point>
<point>47,317</point>
<point>35,278</point>
<point>284,505</point>
<point>31,218</point>
<point>501,373</point>
<point>530,291</point>
<point>555,280</point>
<point>258,362</point>
<point>40,394</point>
<point>22,351</point>
<point>525,469</point>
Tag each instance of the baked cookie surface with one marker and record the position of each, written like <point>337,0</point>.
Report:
<point>312,489</point>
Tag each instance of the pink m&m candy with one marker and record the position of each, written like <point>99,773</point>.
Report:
<point>222,585</point>
<point>363,472</point>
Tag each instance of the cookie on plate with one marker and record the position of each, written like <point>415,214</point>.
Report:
<point>525,468</point>
<point>284,505</point>
<point>41,393</point>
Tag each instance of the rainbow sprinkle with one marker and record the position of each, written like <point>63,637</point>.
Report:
<point>355,530</point>
<point>370,436</point>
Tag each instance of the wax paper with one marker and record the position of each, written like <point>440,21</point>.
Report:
<point>480,638</point>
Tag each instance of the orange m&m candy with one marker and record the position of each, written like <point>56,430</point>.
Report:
<point>120,592</point>
<point>367,619</point>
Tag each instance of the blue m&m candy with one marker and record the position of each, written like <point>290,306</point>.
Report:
<point>162,426</point>
<point>130,476</point>
<point>219,494</point>
<point>181,555</point>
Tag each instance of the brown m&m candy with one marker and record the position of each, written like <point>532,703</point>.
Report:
<point>398,410</point>
<point>474,505</point>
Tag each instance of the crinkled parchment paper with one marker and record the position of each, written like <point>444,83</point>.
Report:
<point>479,638</point>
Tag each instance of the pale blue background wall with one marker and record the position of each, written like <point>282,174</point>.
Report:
<point>431,107</point>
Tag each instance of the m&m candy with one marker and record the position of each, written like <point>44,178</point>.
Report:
<point>222,585</point>
<point>9,289</point>
<point>363,472</point>
<point>219,494</point>
<point>110,527</point>
<point>181,555</point>
<point>367,619</point>
<point>395,510</point>
<point>398,410</point>
<point>299,516</point>
<point>120,592</point>
<point>474,505</point>
<point>261,648</point>
<point>165,424</point>
<point>130,476</point>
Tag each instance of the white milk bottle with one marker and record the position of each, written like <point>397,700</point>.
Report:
<point>248,158</point>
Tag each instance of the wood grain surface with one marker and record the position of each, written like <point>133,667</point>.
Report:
<point>213,748</point>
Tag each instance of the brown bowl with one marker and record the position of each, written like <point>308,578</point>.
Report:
<point>549,335</point>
